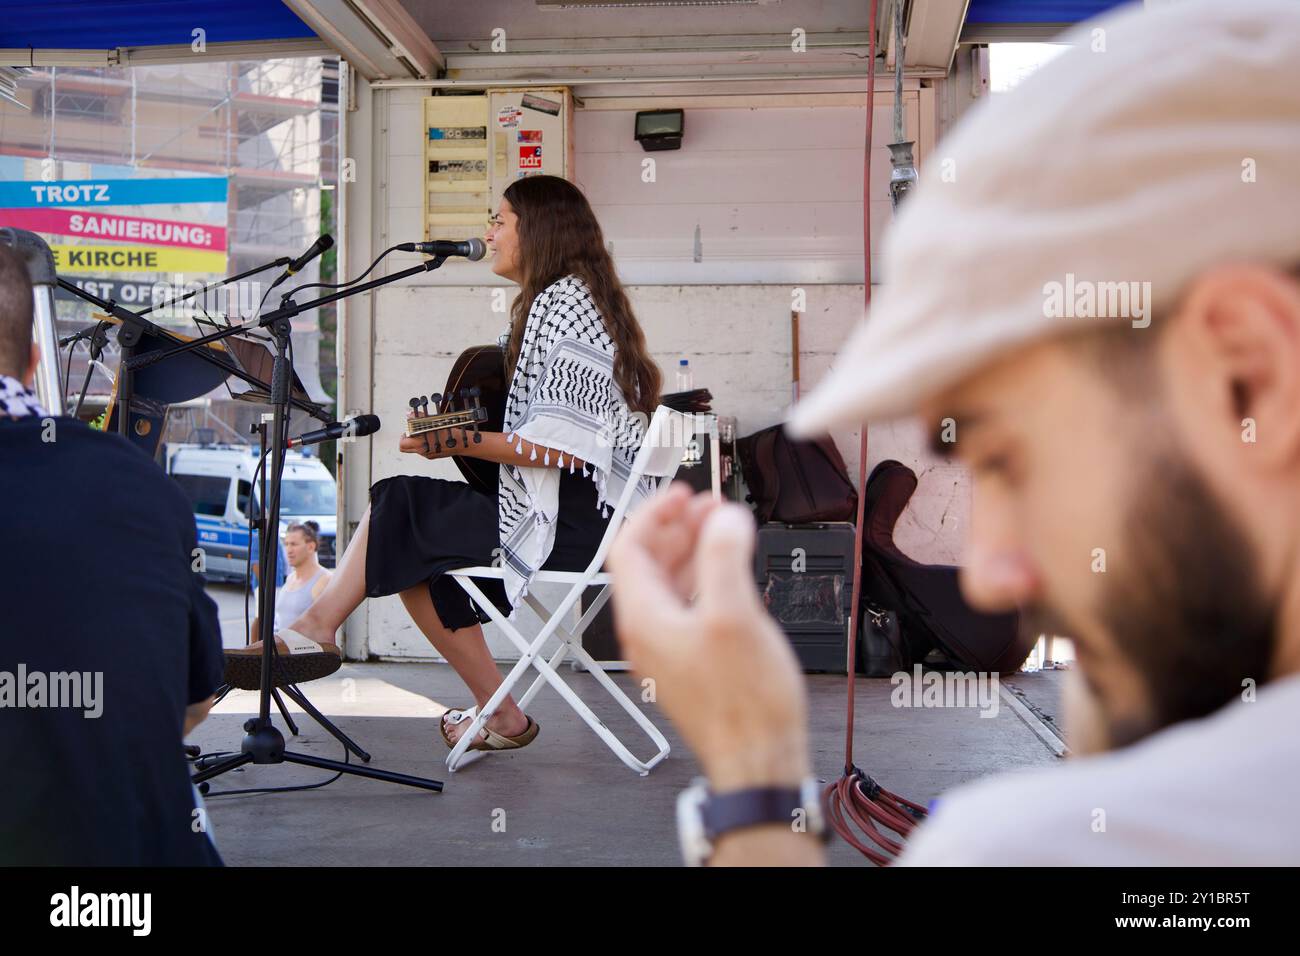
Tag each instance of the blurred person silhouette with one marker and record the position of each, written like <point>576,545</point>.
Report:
<point>1104,305</point>
<point>110,650</point>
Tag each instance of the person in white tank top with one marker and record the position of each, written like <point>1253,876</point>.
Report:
<point>307,577</point>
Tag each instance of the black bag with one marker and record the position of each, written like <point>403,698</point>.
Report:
<point>881,651</point>
<point>796,482</point>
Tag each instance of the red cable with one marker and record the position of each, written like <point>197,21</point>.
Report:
<point>856,799</point>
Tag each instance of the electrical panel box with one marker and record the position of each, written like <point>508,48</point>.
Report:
<point>457,189</point>
<point>477,145</point>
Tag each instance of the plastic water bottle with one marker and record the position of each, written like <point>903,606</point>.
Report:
<point>684,383</point>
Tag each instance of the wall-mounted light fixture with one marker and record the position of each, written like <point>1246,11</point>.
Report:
<point>660,129</point>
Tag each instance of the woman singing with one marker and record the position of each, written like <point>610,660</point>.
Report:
<point>578,369</point>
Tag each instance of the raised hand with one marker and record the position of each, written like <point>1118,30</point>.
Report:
<point>723,671</point>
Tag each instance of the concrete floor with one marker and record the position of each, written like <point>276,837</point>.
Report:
<point>565,800</point>
<point>1040,691</point>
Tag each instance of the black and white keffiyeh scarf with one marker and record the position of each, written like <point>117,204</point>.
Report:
<point>17,400</point>
<point>562,396</point>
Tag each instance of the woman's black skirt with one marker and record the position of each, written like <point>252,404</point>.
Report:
<point>421,528</point>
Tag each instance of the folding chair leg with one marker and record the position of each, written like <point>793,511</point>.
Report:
<point>454,759</point>
<point>573,642</point>
<point>530,657</point>
<point>527,658</point>
<point>556,659</point>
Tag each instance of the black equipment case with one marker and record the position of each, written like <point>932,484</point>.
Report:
<point>805,579</point>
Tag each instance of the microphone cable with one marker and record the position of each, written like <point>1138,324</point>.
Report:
<point>342,285</point>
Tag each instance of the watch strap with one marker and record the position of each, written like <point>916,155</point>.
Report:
<point>723,812</point>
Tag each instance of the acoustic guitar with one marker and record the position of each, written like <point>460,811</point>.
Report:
<point>473,398</point>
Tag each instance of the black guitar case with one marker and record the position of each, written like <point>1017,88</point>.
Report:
<point>926,598</point>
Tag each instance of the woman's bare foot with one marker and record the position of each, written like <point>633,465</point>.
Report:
<point>508,721</point>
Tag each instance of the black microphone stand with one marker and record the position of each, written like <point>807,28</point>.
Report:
<point>263,743</point>
<point>282,261</point>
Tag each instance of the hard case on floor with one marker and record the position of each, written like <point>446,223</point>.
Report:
<point>805,579</point>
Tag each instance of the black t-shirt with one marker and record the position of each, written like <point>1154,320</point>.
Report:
<point>96,551</point>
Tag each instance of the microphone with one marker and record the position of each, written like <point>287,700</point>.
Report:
<point>354,427</point>
<point>320,245</point>
<point>472,249</point>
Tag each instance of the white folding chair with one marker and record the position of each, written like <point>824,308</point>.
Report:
<point>667,437</point>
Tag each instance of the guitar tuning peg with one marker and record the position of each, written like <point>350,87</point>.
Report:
<point>414,403</point>
<point>437,401</point>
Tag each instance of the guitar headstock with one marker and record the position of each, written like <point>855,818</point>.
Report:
<point>461,411</point>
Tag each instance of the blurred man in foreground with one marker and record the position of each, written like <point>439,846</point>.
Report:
<point>1102,307</point>
<point>110,651</point>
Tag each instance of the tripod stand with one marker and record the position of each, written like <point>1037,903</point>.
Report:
<point>262,742</point>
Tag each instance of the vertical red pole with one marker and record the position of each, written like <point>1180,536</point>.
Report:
<point>854,612</point>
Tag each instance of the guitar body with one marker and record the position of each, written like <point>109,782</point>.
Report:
<point>482,367</point>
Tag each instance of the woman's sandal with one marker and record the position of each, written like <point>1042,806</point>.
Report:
<point>494,741</point>
<point>298,660</point>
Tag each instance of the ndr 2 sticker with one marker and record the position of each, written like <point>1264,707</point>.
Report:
<point>530,157</point>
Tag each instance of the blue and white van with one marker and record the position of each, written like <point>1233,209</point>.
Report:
<point>218,479</point>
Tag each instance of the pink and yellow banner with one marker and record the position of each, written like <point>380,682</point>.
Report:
<point>98,225</point>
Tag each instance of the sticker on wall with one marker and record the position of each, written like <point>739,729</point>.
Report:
<point>530,157</point>
<point>530,136</point>
<point>508,117</point>
<point>540,103</point>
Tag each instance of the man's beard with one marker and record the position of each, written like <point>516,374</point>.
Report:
<point>1184,608</point>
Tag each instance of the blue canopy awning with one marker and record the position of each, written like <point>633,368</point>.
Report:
<point>1036,11</point>
<point>109,24</point>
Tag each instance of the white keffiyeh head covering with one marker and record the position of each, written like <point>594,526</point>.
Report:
<point>562,396</point>
<point>17,400</point>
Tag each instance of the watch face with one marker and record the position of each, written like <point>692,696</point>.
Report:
<point>811,792</point>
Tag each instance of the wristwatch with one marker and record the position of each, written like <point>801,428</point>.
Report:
<point>704,816</point>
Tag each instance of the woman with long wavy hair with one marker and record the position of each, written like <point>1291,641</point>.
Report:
<point>580,382</point>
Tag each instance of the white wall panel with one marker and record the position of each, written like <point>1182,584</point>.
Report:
<point>777,195</point>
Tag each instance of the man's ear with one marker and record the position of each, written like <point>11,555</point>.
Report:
<point>29,375</point>
<point>1238,335</point>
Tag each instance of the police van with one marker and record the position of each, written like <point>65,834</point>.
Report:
<point>218,479</point>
